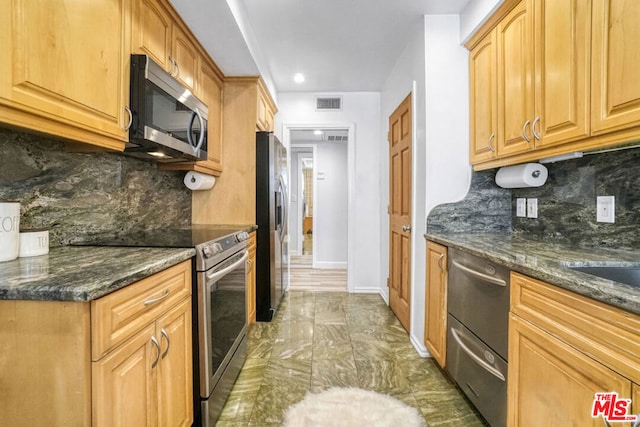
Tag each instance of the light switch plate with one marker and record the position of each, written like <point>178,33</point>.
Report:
<point>532,208</point>
<point>521,207</point>
<point>606,209</point>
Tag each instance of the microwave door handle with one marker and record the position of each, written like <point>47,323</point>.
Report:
<point>214,277</point>
<point>201,139</point>
<point>190,128</point>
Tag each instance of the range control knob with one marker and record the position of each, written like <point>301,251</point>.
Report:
<point>217,248</point>
<point>242,236</point>
<point>207,252</point>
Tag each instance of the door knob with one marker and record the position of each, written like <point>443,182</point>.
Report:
<point>406,228</point>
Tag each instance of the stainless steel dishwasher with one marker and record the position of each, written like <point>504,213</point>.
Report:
<point>477,335</point>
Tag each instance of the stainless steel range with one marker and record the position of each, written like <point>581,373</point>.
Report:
<point>219,304</point>
<point>222,319</point>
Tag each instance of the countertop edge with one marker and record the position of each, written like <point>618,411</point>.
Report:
<point>606,291</point>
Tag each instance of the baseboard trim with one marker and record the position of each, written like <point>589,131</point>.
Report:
<point>420,348</point>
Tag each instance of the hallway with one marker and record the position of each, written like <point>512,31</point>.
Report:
<point>328,339</point>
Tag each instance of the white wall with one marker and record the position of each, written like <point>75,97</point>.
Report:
<point>474,15</point>
<point>361,111</point>
<point>435,64</point>
<point>330,206</point>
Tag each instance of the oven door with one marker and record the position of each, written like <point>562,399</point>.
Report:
<point>222,317</point>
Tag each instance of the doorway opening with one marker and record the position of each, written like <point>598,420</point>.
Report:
<point>318,224</point>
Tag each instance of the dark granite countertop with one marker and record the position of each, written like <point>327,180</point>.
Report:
<point>86,273</point>
<point>550,262</point>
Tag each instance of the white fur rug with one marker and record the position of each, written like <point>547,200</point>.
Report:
<point>351,407</point>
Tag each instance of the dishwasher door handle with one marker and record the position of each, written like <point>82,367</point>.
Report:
<point>493,371</point>
<point>485,277</point>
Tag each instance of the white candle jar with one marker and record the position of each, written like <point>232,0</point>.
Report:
<point>33,243</point>
<point>9,230</point>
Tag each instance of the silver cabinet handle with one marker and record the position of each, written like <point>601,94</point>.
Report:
<point>177,70</point>
<point>524,131</point>
<point>482,276</point>
<point>533,128</point>
<point>166,336</point>
<point>406,228</point>
<point>440,258</point>
<point>160,298</point>
<point>128,110</point>
<point>493,371</point>
<point>489,144</point>
<point>173,65</point>
<point>155,342</point>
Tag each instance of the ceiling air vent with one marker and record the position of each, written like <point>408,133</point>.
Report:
<point>329,103</point>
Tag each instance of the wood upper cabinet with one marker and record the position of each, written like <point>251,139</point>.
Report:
<point>635,398</point>
<point>156,32</point>
<point>251,279</point>
<point>211,90</point>
<point>266,109</point>
<point>564,348</point>
<point>562,71</point>
<point>435,328</point>
<point>615,64</point>
<point>515,80</point>
<point>64,69</point>
<point>484,99</point>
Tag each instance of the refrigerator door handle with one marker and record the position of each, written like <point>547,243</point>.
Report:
<point>284,201</point>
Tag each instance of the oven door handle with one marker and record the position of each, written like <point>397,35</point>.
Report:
<point>493,371</point>
<point>220,274</point>
<point>482,276</point>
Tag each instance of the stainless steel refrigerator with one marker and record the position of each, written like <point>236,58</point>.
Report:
<point>272,202</point>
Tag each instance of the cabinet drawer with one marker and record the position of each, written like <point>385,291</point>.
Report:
<point>118,316</point>
<point>605,333</point>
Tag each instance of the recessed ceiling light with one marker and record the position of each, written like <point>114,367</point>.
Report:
<point>317,132</point>
<point>298,77</point>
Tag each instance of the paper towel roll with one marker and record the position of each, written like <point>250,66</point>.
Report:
<point>199,181</point>
<point>522,176</point>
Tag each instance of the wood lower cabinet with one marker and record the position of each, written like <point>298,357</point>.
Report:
<point>142,374</point>
<point>251,278</point>
<point>435,328</point>
<point>64,69</point>
<point>564,348</point>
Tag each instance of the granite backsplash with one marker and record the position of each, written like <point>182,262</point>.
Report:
<point>76,195</point>
<point>566,204</point>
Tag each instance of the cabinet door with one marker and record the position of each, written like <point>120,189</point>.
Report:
<point>64,68</point>
<point>484,101</point>
<point>563,64</point>
<point>635,400</point>
<point>151,32</point>
<point>175,386</point>
<point>515,80</point>
<point>186,58</point>
<point>435,331</point>
<point>210,89</point>
<point>551,383</point>
<point>615,82</point>
<point>124,384</point>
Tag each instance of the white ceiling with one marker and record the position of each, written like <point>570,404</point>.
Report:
<point>339,45</point>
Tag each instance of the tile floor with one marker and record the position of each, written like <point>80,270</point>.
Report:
<point>327,339</point>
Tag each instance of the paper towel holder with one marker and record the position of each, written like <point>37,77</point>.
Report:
<point>525,175</point>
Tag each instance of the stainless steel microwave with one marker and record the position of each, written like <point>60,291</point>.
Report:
<point>168,122</point>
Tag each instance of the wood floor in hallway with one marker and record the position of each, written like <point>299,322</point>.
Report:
<point>304,278</point>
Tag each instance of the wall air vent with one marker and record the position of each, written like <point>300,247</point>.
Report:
<point>333,103</point>
<point>337,138</point>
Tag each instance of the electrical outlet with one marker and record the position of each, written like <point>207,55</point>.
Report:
<point>521,207</point>
<point>606,209</point>
<point>532,208</point>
